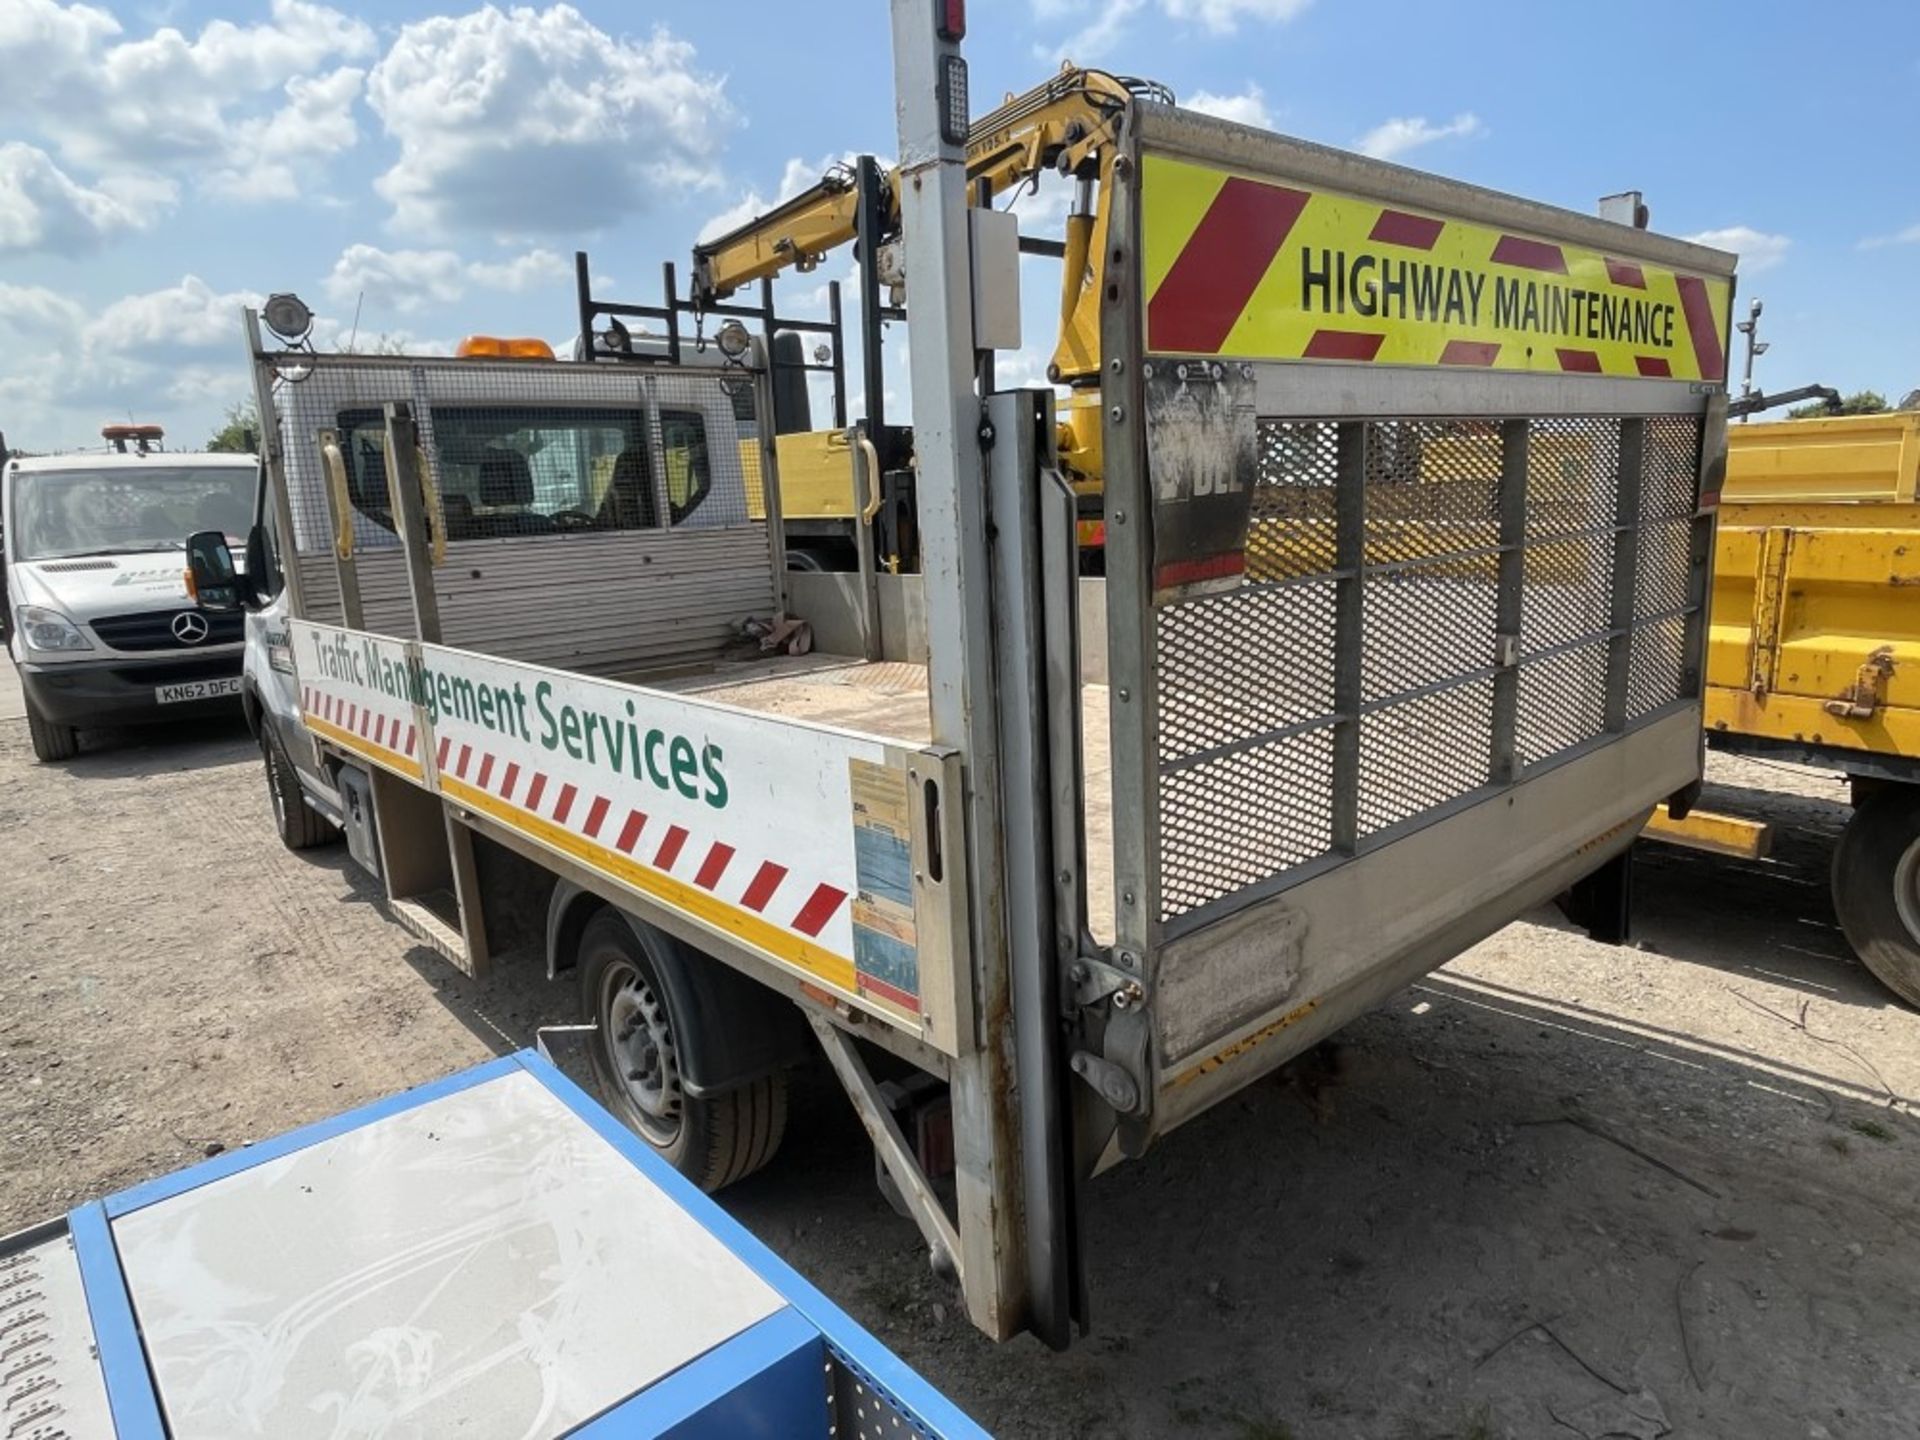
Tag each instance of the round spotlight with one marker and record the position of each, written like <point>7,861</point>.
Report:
<point>732,339</point>
<point>287,316</point>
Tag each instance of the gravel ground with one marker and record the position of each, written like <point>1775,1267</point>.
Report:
<point>1557,1188</point>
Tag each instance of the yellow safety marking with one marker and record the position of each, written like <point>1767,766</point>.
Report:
<point>1254,267</point>
<point>1240,1047</point>
<point>1179,200</point>
<point>702,905</point>
<point>1709,830</point>
<point>379,754</point>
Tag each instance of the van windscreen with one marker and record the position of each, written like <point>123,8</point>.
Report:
<point>62,513</point>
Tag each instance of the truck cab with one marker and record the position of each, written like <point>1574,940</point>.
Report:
<point>102,630</point>
<point>549,483</point>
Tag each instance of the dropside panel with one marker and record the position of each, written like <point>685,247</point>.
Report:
<point>830,855</point>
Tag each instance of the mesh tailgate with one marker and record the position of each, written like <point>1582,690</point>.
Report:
<point>1500,628</point>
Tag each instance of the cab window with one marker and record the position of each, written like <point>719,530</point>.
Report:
<point>519,470</point>
<point>683,441</point>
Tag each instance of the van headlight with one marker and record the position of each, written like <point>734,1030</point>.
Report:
<point>46,629</point>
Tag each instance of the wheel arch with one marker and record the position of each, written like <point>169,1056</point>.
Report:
<point>732,1029</point>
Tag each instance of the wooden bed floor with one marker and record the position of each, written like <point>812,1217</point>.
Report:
<point>888,699</point>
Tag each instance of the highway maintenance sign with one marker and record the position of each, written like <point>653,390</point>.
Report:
<point>1253,269</point>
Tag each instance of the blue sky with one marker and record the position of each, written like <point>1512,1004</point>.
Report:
<point>162,163</point>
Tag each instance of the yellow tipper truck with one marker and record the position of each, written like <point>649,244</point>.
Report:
<point>1813,653</point>
<point>1400,635</point>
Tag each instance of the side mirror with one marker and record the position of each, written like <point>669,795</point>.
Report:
<point>212,581</point>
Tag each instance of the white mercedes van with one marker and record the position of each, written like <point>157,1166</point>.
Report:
<point>100,625</point>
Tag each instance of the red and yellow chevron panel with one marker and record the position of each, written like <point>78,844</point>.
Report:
<point>1250,268</point>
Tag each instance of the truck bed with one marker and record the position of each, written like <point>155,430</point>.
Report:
<point>889,698</point>
<point>1813,642</point>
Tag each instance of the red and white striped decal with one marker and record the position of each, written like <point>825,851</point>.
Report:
<point>762,886</point>
<point>361,726</point>
<point>1242,266</point>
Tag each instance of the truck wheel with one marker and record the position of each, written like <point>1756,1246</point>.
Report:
<point>301,827</point>
<point>1876,887</point>
<point>51,741</point>
<point>713,1140</point>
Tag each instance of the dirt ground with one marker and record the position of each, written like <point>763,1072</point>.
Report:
<point>1556,1189</point>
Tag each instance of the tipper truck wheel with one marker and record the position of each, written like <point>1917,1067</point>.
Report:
<point>713,1140</point>
<point>51,741</point>
<point>1876,887</point>
<point>301,827</point>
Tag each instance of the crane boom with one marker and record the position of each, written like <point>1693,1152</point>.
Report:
<point>1067,123</point>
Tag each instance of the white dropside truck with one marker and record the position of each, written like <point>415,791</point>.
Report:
<point>1408,496</point>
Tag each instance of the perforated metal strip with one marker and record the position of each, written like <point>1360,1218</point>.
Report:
<point>859,1409</point>
<point>50,1383</point>
<point>1251,784</point>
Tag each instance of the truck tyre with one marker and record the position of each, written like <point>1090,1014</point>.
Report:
<point>51,741</point>
<point>713,1140</point>
<point>301,827</point>
<point>1876,887</point>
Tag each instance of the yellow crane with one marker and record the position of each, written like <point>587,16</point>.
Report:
<point>1068,124</point>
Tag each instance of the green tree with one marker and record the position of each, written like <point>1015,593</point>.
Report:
<point>240,433</point>
<point>1861,402</point>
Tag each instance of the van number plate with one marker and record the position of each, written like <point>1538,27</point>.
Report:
<point>197,690</point>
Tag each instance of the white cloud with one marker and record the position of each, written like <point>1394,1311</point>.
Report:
<point>1094,39</point>
<point>1757,250</point>
<point>148,355</point>
<point>1104,22</point>
<point>203,387</point>
<point>1043,212</point>
<point>233,105</point>
<point>1223,16</point>
<point>523,272</point>
<point>1396,137</point>
<point>1025,369</point>
<point>33,311</point>
<point>1908,236</point>
<point>396,279</point>
<point>191,315</point>
<point>404,281</point>
<point>43,208</point>
<point>269,154</point>
<point>795,176</point>
<point>1246,108</point>
<point>249,57</point>
<point>527,121</point>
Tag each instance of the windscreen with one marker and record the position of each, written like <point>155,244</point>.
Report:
<point>62,513</point>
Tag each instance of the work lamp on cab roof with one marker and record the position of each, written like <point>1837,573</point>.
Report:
<point>732,339</point>
<point>287,316</point>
